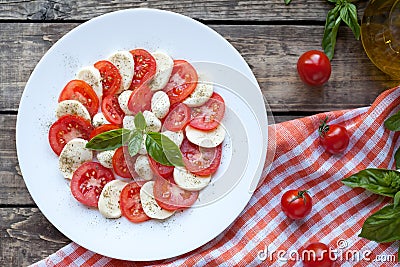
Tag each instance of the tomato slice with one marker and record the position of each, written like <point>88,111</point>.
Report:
<point>82,92</point>
<point>67,128</point>
<point>140,99</point>
<point>177,118</point>
<point>130,204</point>
<point>171,197</point>
<point>145,67</point>
<point>111,110</point>
<point>123,163</point>
<point>88,181</point>
<point>182,82</point>
<point>110,77</point>
<point>103,128</point>
<point>208,116</point>
<point>199,160</point>
<point>162,170</point>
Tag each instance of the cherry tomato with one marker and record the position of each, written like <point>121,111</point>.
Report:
<point>123,163</point>
<point>334,138</point>
<point>209,115</point>
<point>130,204</point>
<point>110,77</point>
<point>145,67</point>
<point>314,68</point>
<point>111,110</point>
<point>182,82</point>
<point>88,181</point>
<point>200,160</point>
<point>296,204</point>
<point>103,128</point>
<point>171,197</point>
<point>162,170</point>
<point>177,118</point>
<point>140,99</point>
<point>317,255</point>
<point>82,92</point>
<point>67,128</point>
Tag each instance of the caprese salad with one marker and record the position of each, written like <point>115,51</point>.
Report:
<point>138,135</point>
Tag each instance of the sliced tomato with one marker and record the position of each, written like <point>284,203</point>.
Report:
<point>111,110</point>
<point>103,128</point>
<point>67,128</point>
<point>82,92</point>
<point>162,170</point>
<point>123,163</point>
<point>177,118</point>
<point>182,82</point>
<point>110,77</point>
<point>145,67</point>
<point>140,99</point>
<point>209,115</point>
<point>170,197</point>
<point>200,160</point>
<point>130,204</point>
<point>88,181</point>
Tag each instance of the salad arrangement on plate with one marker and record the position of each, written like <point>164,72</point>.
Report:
<point>139,135</point>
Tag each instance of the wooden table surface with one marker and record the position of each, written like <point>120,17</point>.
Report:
<point>268,34</point>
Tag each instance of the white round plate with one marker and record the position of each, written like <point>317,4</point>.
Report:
<point>244,149</point>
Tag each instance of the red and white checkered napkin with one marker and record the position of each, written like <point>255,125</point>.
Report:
<point>262,230</point>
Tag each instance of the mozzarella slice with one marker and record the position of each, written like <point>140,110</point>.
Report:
<point>142,149</point>
<point>206,138</point>
<point>163,70</point>
<point>129,122</point>
<point>152,122</point>
<point>123,99</point>
<point>105,158</point>
<point>200,95</point>
<point>123,61</point>
<point>176,137</point>
<point>109,199</point>
<point>160,104</point>
<point>149,204</point>
<point>73,155</point>
<point>142,168</point>
<point>189,181</point>
<point>73,107</point>
<point>99,120</point>
<point>91,76</point>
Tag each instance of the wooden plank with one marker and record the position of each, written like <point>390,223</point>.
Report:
<point>26,237</point>
<point>270,50</point>
<point>226,10</point>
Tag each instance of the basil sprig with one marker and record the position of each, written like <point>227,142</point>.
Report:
<point>161,148</point>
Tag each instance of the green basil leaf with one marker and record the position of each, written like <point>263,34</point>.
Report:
<point>396,199</point>
<point>108,140</point>
<point>287,2</point>
<point>135,143</point>
<point>140,122</point>
<point>163,150</point>
<point>393,122</point>
<point>397,158</point>
<point>348,13</point>
<point>378,181</point>
<point>331,28</point>
<point>383,226</point>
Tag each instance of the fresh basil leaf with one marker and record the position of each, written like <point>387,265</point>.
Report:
<point>108,140</point>
<point>396,199</point>
<point>383,226</point>
<point>348,13</point>
<point>135,142</point>
<point>331,28</point>
<point>140,122</point>
<point>287,2</point>
<point>378,181</point>
<point>163,150</point>
<point>393,122</point>
<point>397,158</point>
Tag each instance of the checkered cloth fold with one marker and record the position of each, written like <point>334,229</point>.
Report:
<point>262,230</point>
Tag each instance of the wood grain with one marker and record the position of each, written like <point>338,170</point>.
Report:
<point>206,10</point>
<point>270,50</point>
<point>26,236</point>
